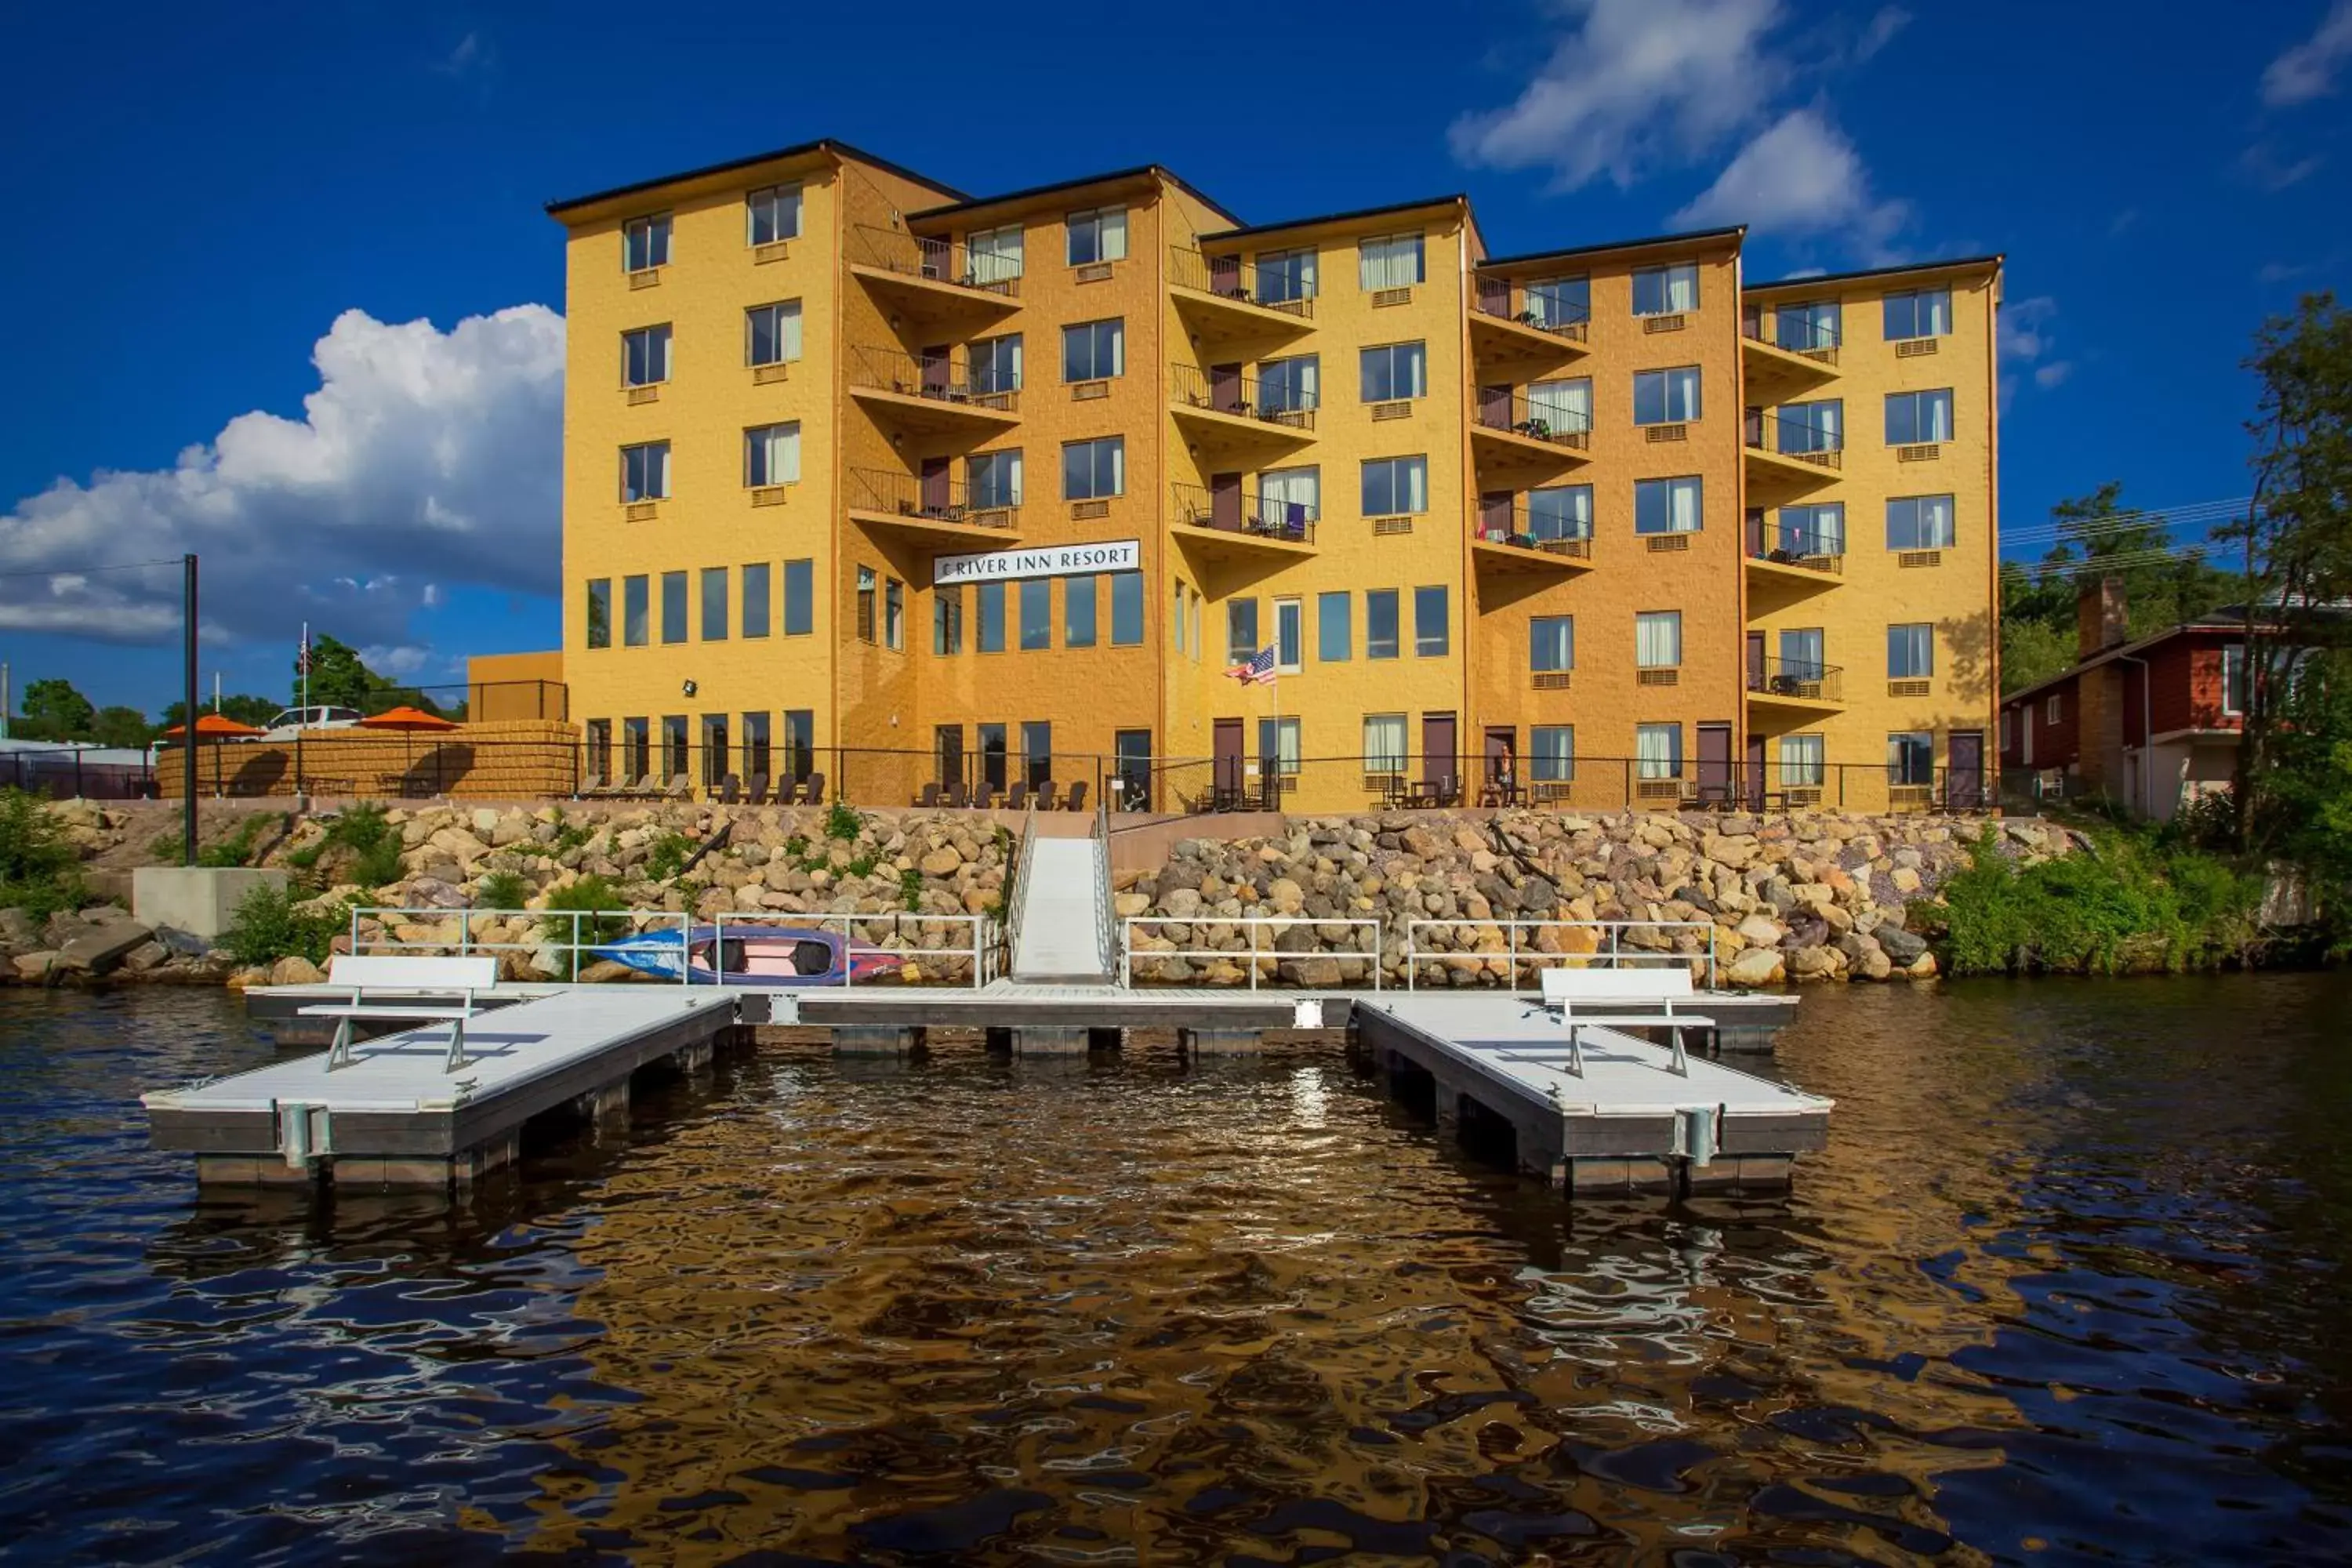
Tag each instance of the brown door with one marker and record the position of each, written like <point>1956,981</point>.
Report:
<point>1755,772</point>
<point>1756,531</point>
<point>1502,757</point>
<point>1494,512</point>
<point>1715,765</point>
<point>1226,748</point>
<point>1225,502</point>
<point>1495,408</point>
<point>1226,387</point>
<point>1964,789</point>
<point>935,486</point>
<point>1754,661</point>
<point>1438,763</point>
<point>935,371</point>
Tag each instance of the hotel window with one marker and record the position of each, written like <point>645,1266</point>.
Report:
<point>636,759</point>
<point>996,365</point>
<point>1127,609</point>
<point>992,754</point>
<point>2008,728</point>
<point>1380,622</point>
<point>866,576</point>
<point>988,599</point>
<point>1551,643</point>
<point>771,215</point>
<point>894,612</point>
<point>1277,743</point>
<point>1658,750</point>
<point>800,741</point>
<point>1561,405</point>
<point>1818,426</point>
<point>1667,506</point>
<point>1176,612</point>
<point>1914,419</point>
<point>1080,600</point>
<point>1559,301</point>
<point>1803,651</point>
<point>771,454</point>
<point>1287,384</point>
<point>600,612</point>
<point>994,479</point>
<point>1911,757</point>
<point>714,604</point>
<point>645,356</point>
<point>645,472</point>
<point>1335,628</point>
<point>994,255</point>
<point>1921,522</point>
<point>1395,486</point>
<point>1384,743</point>
<point>1094,471</point>
<point>1289,634</point>
<point>634,632</point>
<point>1094,351</point>
<point>1099,234</point>
<point>947,619</point>
<point>1036,614</point>
<point>1657,639</point>
<point>2234,677</point>
<point>772,333</point>
<point>1198,647</point>
<point>1394,371</point>
<point>1561,512</point>
<point>1815,530</point>
<point>600,750</point>
<point>1291,498</point>
<point>645,243</point>
<point>757,763</point>
<point>1804,763</point>
<point>800,598</point>
<point>2051,710</point>
<point>1666,290</point>
<point>1393,261</point>
<point>758,589</point>
<point>1665,396</point>
<point>1552,753</point>
<point>1432,625</point>
<point>716,751</point>
<point>1802,328</point>
<point>1241,630</point>
<point>1036,751</point>
<point>1283,276</point>
<point>1911,651</point>
<point>675,746</point>
<point>673,591</point>
<point>1926,313</point>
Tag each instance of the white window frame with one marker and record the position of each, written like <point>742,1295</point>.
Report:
<point>998,350</point>
<point>1918,399</point>
<point>1537,653</point>
<point>776,200</point>
<point>1419,349</point>
<point>1669,380</point>
<point>761,448</point>
<point>657,472</point>
<point>2052,709</point>
<point>1664,624</point>
<point>1118,444</point>
<point>1384,748</point>
<point>1417,464</point>
<point>1108,227</point>
<point>1289,633</point>
<point>994,255</point>
<point>1552,767</point>
<point>784,310</point>
<point>646,332</point>
<point>1676,517</point>
<point>1010,461</point>
<point>1381,261</point>
<point>1939,324</point>
<point>1948,534</point>
<point>2233,653</point>
<point>655,230</point>
<point>1649,766</point>
<point>1669,276</point>
<point>1282,259</point>
<point>1914,635</point>
<point>1094,340</point>
<point>1803,761</point>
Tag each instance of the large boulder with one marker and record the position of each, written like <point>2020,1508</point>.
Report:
<point>1757,966</point>
<point>294,970</point>
<point>102,946</point>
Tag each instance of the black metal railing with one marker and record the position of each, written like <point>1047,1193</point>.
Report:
<point>1499,408</point>
<point>1799,439</point>
<point>1807,680</point>
<point>939,260</point>
<point>1812,548</point>
<point>1507,301</point>
<point>942,378</point>
<point>939,497</point>
<point>1513,525</point>
<point>1231,277</point>
<point>1797,335</point>
<point>1239,509</point>
<point>1231,392</point>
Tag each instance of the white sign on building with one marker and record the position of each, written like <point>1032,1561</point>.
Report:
<point>1049,561</point>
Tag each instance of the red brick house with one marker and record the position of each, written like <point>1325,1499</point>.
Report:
<point>2151,723</point>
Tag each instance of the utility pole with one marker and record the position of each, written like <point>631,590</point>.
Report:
<point>4,694</point>
<point>188,709</point>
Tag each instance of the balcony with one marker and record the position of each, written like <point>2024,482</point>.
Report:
<point>1507,539</point>
<point>1805,560</point>
<point>1802,687</point>
<point>929,394</point>
<point>1791,455</point>
<point>1787,351</point>
<point>935,279</point>
<point>1230,522</point>
<point>1224,411</point>
<point>931,509</point>
<point>1506,430</point>
<point>1507,322</point>
<point>1225,298</point>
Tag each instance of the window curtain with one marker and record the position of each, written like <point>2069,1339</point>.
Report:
<point>1560,301</point>
<point>1658,750</point>
<point>1551,643</point>
<point>1291,495</point>
<point>1802,760</point>
<point>1935,526</point>
<point>1814,426</point>
<point>1658,640</point>
<point>1552,753</point>
<point>1384,744</point>
<point>1391,263</point>
<point>1933,313</point>
<point>1285,275</point>
<point>1934,417</point>
<point>994,255</point>
<point>1682,506</point>
<point>1564,511</point>
<point>1277,739</point>
<point>1801,654</point>
<point>1814,529</point>
<point>776,454</point>
<point>1682,289</point>
<point>1562,405</point>
<point>1910,651</point>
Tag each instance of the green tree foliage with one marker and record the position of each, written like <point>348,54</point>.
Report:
<point>241,706</point>
<point>2136,901</point>
<point>54,710</point>
<point>270,923</point>
<point>119,726</point>
<point>339,678</point>
<point>39,871</point>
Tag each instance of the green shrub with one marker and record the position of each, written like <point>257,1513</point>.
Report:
<point>842,822</point>
<point>501,890</point>
<point>237,848</point>
<point>269,925</point>
<point>910,888</point>
<point>2136,899</point>
<point>592,899</point>
<point>860,866</point>
<point>668,856</point>
<point>41,871</point>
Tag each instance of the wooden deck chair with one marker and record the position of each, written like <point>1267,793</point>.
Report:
<point>759,795</point>
<point>1017,797</point>
<point>813,789</point>
<point>928,798</point>
<point>957,797</point>
<point>731,790</point>
<point>1078,801</point>
<point>984,796</point>
<point>681,787</point>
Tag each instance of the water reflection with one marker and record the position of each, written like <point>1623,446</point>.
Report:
<point>2065,1286</point>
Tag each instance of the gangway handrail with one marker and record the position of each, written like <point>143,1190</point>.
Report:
<point>1105,940</point>
<point>1016,890</point>
<point>1614,957</point>
<point>1253,951</point>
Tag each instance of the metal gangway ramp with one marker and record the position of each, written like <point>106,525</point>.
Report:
<point>1061,926</point>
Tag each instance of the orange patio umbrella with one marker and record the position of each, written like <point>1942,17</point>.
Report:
<point>411,721</point>
<point>214,727</point>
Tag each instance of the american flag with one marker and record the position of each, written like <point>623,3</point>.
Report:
<point>302,656</point>
<point>1259,671</point>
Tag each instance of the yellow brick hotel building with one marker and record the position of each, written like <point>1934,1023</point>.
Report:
<point>865,476</point>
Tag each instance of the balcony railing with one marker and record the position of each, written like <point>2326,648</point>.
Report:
<point>1238,509</point>
<point>1230,392</point>
<point>938,260</point>
<point>1796,335</point>
<point>935,498</point>
<point>1513,525</point>
<point>1499,408</point>
<point>1231,277</point>
<point>1808,680</point>
<point>1799,439</point>
<point>1812,548</point>
<point>943,378</point>
<point>1499,298</point>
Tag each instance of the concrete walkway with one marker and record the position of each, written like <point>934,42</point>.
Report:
<point>1058,914</point>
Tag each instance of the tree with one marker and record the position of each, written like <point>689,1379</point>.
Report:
<point>118,726</point>
<point>54,710</point>
<point>340,679</point>
<point>241,706</point>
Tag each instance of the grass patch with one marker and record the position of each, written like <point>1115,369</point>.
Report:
<point>910,888</point>
<point>2136,901</point>
<point>501,890</point>
<point>842,822</point>
<point>371,844</point>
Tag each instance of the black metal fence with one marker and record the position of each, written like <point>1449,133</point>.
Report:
<point>66,773</point>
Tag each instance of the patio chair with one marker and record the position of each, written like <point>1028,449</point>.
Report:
<point>1017,797</point>
<point>1049,796</point>
<point>928,799</point>
<point>681,787</point>
<point>957,796</point>
<point>642,784</point>
<point>984,796</point>
<point>1078,801</point>
<point>813,789</point>
<point>759,792</point>
<point>731,790</point>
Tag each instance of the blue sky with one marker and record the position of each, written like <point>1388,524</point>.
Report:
<point>222,209</point>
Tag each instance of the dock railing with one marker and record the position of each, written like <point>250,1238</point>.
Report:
<point>1609,949</point>
<point>1106,930</point>
<point>1255,951</point>
<point>573,934</point>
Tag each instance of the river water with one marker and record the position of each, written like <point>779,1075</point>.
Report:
<point>2070,1284</point>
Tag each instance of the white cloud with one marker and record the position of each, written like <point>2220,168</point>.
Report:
<point>1890,20</point>
<point>2261,163</point>
<point>2308,69</point>
<point>1801,176</point>
<point>1635,84</point>
<point>422,451</point>
<point>2027,339</point>
<point>2046,376</point>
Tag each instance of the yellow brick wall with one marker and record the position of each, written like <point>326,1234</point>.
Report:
<point>523,760</point>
